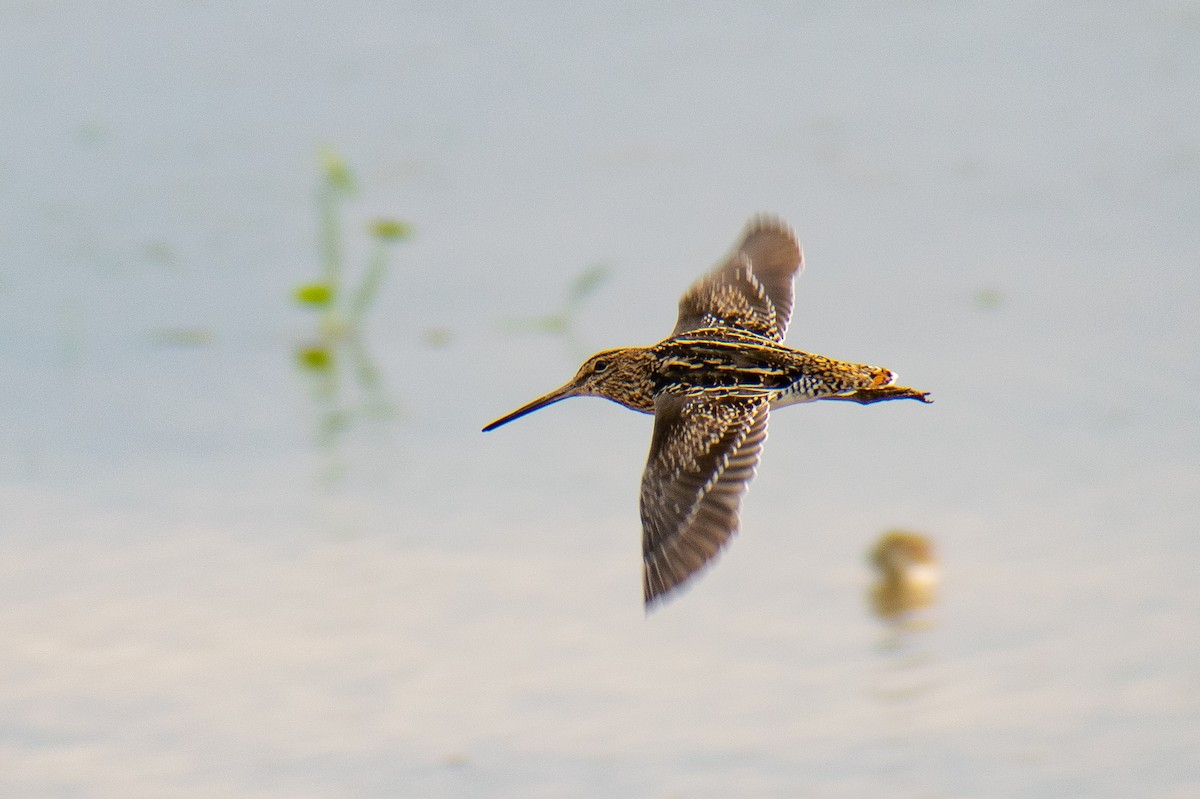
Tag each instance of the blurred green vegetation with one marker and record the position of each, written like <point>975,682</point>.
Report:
<point>342,307</point>
<point>562,322</point>
<point>336,355</point>
<point>989,298</point>
<point>346,381</point>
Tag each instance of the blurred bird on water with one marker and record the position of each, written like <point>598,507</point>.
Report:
<point>908,574</point>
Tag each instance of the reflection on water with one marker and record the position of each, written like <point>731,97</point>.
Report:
<point>902,596</point>
<point>906,674</point>
<point>905,686</point>
<point>346,382</point>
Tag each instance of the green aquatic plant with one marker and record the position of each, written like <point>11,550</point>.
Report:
<point>336,355</point>
<point>341,307</point>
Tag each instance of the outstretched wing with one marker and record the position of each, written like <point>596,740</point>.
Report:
<point>702,457</point>
<point>752,289</point>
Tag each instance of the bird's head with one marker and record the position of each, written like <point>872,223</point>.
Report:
<point>620,375</point>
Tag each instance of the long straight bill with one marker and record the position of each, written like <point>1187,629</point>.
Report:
<point>539,403</point>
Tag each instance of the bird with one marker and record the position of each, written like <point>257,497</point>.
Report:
<point>711,386</point>
<point>908,574</point>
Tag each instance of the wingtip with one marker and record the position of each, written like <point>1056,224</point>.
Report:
<point>664,589</point>
<point>764,222</point>
<point>654,592</point>
<point>767,220</point>
<point>652,600</point>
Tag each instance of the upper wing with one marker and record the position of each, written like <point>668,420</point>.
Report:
<point>702,457</point>
<point>752,289</point>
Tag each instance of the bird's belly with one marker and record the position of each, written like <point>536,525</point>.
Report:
<point>789,397</point>
<point>807,388</point>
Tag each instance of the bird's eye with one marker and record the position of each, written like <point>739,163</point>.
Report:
<point>600,365</point>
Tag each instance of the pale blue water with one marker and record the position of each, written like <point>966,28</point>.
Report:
<point>201,594</point>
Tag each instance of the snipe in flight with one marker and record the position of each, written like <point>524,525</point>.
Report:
<point>711,386</point>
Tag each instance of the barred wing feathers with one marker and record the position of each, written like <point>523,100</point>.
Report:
<point>702,458</point>
<point>753,289</point>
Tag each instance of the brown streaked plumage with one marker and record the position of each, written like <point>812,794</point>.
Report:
<point>711,386</point>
